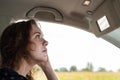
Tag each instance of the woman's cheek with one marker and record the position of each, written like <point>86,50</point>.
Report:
<point>32,47</point>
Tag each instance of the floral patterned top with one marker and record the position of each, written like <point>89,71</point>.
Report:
<point>9,74</point>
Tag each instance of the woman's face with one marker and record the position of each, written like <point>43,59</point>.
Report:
<point>37,46</point>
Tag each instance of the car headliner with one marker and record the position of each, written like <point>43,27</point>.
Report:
<point>73,11</point>
<point>69,12</point>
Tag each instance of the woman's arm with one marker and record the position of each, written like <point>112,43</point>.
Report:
<point>48,70</point>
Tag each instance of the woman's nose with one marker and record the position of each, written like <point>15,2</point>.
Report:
<point>45,43</point>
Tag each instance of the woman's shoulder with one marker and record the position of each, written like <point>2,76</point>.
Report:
<point>9,74</point>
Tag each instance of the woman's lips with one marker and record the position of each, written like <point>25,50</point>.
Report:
<point>45,50</point>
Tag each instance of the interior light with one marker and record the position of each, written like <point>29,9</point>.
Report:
<point>86,2</point>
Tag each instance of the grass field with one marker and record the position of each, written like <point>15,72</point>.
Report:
<point>89,76</point>
<point>38,74</point>
<point>82,76</point>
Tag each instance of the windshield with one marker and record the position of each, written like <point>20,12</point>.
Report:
<point>70,46</point>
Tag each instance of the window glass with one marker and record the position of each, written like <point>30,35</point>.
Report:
<point>72,46</point>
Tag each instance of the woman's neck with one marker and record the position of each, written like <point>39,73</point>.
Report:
<point>24,68</point>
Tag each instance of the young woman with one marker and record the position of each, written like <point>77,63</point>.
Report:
<point>21,47</point>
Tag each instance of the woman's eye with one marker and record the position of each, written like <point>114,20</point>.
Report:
<point>37,37</point>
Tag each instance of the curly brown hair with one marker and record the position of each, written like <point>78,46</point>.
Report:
<point>13,43</point>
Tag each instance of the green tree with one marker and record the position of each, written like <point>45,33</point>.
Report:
<point>118,70</point>
<point>101,69</point>
<point>56,70</point>
<point>63,69</point>
<point>85,70</point>
<point>73,68</point>
<point>88,68</point>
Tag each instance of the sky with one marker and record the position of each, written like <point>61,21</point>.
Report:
<point>70,46</point>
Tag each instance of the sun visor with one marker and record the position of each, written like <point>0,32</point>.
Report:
<point>106,18</point>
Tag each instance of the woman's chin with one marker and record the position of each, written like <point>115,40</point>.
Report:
<point>46,59</point>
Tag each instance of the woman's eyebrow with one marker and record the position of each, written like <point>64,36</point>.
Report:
<point>36,33</point>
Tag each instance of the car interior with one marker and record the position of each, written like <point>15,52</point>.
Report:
<point>99,17</point>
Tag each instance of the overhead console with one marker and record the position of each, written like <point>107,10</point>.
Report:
<point>45,13</point>
<point>105,18</point>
